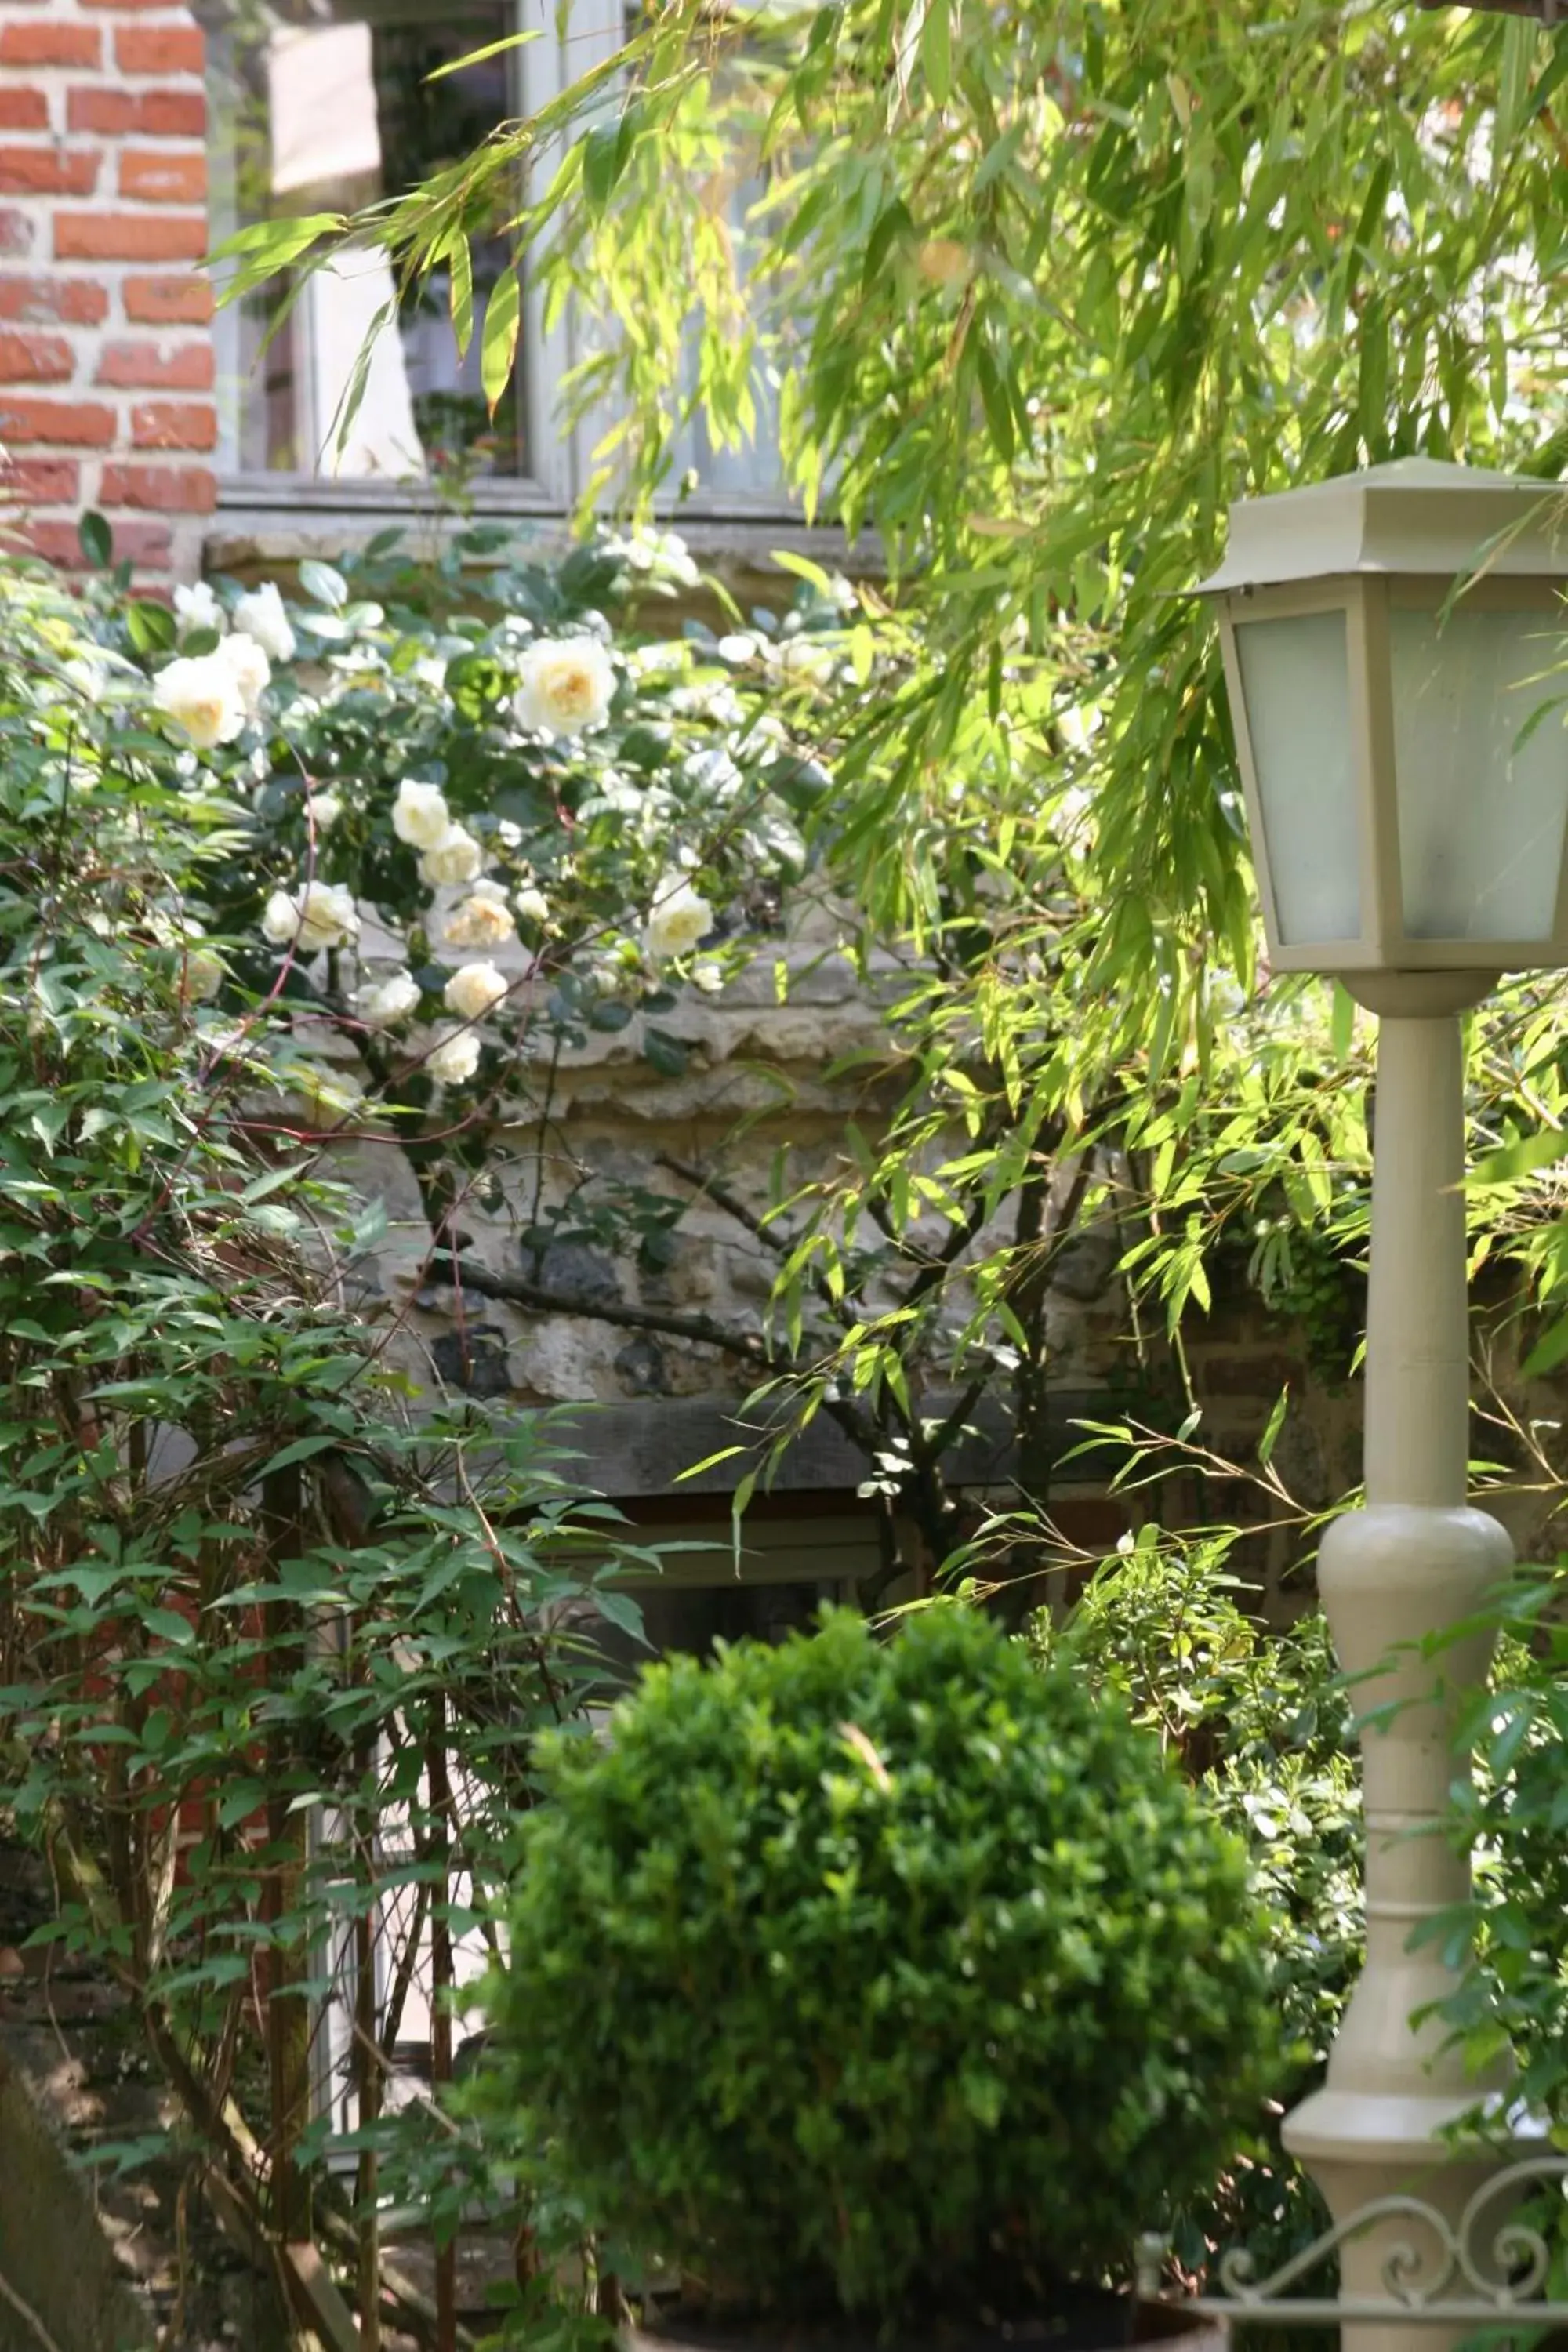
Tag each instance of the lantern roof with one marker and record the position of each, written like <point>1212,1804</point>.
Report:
<point>1417,515</point>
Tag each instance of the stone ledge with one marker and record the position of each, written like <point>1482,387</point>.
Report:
<point>634,1451</point>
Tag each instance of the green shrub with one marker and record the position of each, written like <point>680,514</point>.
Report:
<point>855,1973</point>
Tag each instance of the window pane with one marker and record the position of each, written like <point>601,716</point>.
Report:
<point>325,106</point>
<point>1481,756</point>
<point>1295,678</point>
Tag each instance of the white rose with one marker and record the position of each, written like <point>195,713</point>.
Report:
<point>198,607</point>
<point>708,977</point>
<point>249,669</point>
<point>326,808</point>
<point>381,1002</point>
<point>455,858</point>
<point>675,559</point>
<point>321,915</point>
<point>203,695</point>
<point>660,551</point>
<point>533,904</point>
<point>420,814</point>
<point>261,617</point>
<point>483,920</point>
<point>719,702</point>
<point>1079,728</point>
<point>678,919</point>
<point>807,657</point>
<point>454,1057</point>
<point>567,683</point>
<point>475,990</point>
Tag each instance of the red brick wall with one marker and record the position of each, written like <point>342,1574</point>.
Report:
<point>106,352</point>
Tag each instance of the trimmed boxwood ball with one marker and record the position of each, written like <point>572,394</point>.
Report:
<point>861,1975</point>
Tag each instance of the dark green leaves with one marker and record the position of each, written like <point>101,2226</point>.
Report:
<point>152,627</point>
<point>96,540</point>
<point>1032,1909</point>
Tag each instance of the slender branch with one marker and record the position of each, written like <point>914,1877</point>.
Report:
<point>549,1300</point>
<point>27,2315</point>
<point>952,1425</point>
<point>707,1185</point>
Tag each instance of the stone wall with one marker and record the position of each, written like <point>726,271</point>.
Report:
<point>758,1081</point>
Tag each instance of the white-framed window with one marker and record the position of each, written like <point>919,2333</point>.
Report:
<point>326,106</point>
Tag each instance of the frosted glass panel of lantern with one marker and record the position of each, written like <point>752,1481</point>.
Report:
<point>1483,793</point>
<point>1295,680</point>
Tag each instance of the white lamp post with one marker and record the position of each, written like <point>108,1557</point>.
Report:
<point>1386,638</point>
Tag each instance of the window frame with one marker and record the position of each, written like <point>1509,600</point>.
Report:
<point>568,41</point>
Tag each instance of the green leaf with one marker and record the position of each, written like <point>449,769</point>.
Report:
<point>936,49</point>
<point>620,1610</point>
<point>302,1450</point>
<point>97,538</point>
<point>1519,48</point>
<point>709,1462</point>
<point>1510,1162</point>
<point>1275,1422</point>
<point>993,400</point>
<point>607,151</point>
<point>478,57</point>
<point>498,348</point>
<point>276,243</point>
<point>461,262</point>
<point>168,1625</point>
<point>324,583</point>
<point>151,626</point>
<point>669,1056</point>
<point>353,395</point>
<point>1548,1351</point>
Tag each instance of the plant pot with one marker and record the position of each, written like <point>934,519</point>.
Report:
<point>1089,2319</point>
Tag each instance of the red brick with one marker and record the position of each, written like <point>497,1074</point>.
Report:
<point>143,542</point>
<point>48,171</point>
<point>130,236</point>
<point>156,50</point>
<point>74,302</point>
<point>79,423</point>
<point>168,301</point>
<point>41,481</point>
<point>17,230</point>
<point>159,178</point>
<point>187,367</point>
<point>35,359</point>
<point>170,489</point>
<point>173,424</point>
<point>46,44</point>
<point>23,110</point>
<point>145,113</point>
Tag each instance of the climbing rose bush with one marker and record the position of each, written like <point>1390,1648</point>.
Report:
<point>467,834</point>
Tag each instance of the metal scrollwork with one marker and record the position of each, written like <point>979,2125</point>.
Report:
<point>1478,2270</point>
